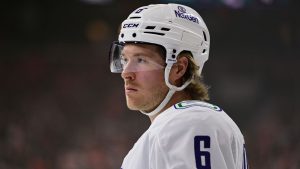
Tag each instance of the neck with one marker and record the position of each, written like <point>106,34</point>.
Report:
<point>176,98</point>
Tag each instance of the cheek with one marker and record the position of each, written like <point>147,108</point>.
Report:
<point>152,79</point>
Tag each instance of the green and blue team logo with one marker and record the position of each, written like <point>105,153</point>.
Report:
<point>188,104</point>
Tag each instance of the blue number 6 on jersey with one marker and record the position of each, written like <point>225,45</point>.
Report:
<point>202,157</point>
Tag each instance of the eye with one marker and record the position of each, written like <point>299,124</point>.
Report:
<point>141,60</point>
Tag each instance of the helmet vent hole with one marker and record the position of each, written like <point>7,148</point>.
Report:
<point>150,27</point>
<point>204,35</point>
<point>165,29</point>
<point>135,17</point>
<point>156,33</point>
<point>134,35</point>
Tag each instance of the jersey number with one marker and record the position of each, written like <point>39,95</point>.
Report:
<point>201,155</point>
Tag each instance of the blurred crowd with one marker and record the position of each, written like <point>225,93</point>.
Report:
<point>61,108</point>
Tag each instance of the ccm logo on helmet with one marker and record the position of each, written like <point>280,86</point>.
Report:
<point>181,13</point>
<point>130,25</point>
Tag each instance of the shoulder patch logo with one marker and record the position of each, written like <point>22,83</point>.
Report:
<point>188,104</point>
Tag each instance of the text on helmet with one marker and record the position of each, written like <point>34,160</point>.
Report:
<point>130,25</point>
<point>181,13</point>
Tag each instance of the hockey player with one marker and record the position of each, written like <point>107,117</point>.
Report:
<point>160,53</point>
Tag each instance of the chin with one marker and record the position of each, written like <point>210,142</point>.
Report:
<point>132,106</point>
<point>139,107</point>
<point>136,106</point>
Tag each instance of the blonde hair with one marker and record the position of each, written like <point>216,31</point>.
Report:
<point>196,89</point>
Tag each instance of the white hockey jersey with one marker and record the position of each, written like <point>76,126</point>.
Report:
<point>189,135</point>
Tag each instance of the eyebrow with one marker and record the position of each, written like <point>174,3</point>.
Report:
<point>137,54</point>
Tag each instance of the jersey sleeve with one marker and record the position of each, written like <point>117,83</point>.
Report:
<point>197,142</point>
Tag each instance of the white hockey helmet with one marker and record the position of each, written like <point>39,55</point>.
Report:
<point>172,26</point>
<point>175,27</point>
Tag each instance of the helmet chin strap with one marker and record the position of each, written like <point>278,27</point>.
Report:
<point>172,90</point>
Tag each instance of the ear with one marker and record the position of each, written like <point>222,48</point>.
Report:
<point>178,70</point>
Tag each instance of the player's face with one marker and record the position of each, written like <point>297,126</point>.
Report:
<point>143,77</point>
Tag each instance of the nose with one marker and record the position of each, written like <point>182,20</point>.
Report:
<point>128,75</point>
<point>128,71</point>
